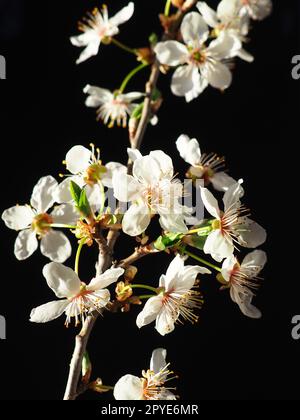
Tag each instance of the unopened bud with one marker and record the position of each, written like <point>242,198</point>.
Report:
<point>123,291</point>
<point>130,273</point>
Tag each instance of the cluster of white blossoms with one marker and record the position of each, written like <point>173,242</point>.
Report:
<point>96,202</point>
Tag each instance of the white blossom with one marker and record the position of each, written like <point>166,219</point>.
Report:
<point>78,298</point>
<point>203,166</point>
<point>228,19</point>
<point>87,170</point>
<point>242,279</point>
<point>33,221</point>
<point>152,190</point>
<point>230,227</point>
<point>256,9</point>
<point>199,65</point>
<point>177,300</point>
<point>152,384</point>
<point>98,27</point>
<point>111,107</point>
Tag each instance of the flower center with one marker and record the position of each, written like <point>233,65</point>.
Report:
<point>153,383</point>
<point>216,224</point>
<point>183,304</point>
<point>197,56</point>
<point>41,223</point>
<point>93,173</point>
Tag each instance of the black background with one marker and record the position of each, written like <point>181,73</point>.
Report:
<point>254,124</point>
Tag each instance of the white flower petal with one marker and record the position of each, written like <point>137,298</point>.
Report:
<point>173,222</point>
<point>25,244</point>
<point>126,188</point>
<point>158,360</point>
<point>49,311</point>
<point>164,162</point>
<point>129,387</point>
<point>227,267</point>
<point>146,170</point>
<point>131,96</point>
<point>56,246</point>
<point>227,9</point>
<point>133,154</point>
<point>194,29</point>
<point>256,261</point>
<point>150,311</point>
<point>165,323</point>
<point>136,219</point>
<point>111,169</point>
<point>188,276</point>
<point>42,197</point>
<point>62,280</point>
<point>18,217</point>
<point>174,270</point>
<point>107,278</point>
<point>221,181</point>
<point>189,149</point>
<point>91,50</point>
<point>208,14</point>
<point>171,53</point>
<point>97,96</point>
<point>78,159</point>
<point>245,55</point>
<point>218,246</point>
<point>233,195</point>
<point>251,234</point>
<point>83,39</point>
<point>259,9</point>
<point>62,193</point>
<point>225,46</point>
<point>187,81</point>
<point>65,214</point>
<point>217,74</point>
<point>123,15</point>
<point>210,203</point>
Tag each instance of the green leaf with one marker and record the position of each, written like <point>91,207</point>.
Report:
<point>156,94</point>
<point>167,241</point>
<point>137,112</point>
<point>86,368</point>
<point>153,39</point>
<point>75,191</point>
<point>197,241</point>
<point>84,205</point>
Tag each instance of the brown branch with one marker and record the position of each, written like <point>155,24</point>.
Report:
<point>106,247</point>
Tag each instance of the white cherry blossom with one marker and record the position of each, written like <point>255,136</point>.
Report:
<point>199,65</point>
<point>77,298</point>
<point>256,9</point>
<point>203,166</point>
<point>33,221</point>
<point>152,384</point>
<point>177,300</point>
<point>242,279</point>
<point>228,19</point>
<point>152,190</point>
<point>111,107</point>
<point>231,227</point>
<point>87,170</point>
<point>98,27</point>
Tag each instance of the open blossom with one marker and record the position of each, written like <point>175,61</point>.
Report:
<point>256,9</point>
<point>33,221</point>
<point>152,190</point>
<point>199,65</point>
<point>151,386</point>
<point>98,27</point>
<point>78,298</point>
<point>228,19</point>
<point>177,300</point>
<point>203,166</point>
<point>87,170</point>
<point>111,107</point>
<point>231,226</point>
<point>242,279</point>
